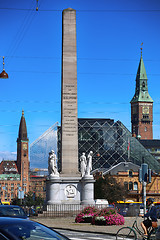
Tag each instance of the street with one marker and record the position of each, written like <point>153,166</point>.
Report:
<point>75,235</point>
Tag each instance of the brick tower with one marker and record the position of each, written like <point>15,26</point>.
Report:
<point>142,106</point>
<point>22,155</point>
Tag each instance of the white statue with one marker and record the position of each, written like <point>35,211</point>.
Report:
<point>52,164</point>
<point>83,163</point>
<point>89,163</point>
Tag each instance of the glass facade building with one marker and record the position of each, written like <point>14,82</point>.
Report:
<point>111,143</point>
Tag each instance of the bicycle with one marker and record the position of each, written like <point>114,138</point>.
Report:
<point>134,233</point>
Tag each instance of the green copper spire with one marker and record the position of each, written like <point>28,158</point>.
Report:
<point>141,93</point>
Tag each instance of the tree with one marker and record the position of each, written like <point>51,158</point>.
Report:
<point>108,188</point>
<point>30,199</point>
<point>16,201</point>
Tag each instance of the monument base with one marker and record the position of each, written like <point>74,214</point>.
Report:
<point>87,190</point>
<point>70,190</point>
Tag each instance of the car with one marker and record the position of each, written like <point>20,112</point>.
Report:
<point>12,211</point>
<point>18,229</point>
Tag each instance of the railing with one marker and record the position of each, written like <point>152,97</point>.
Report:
<point>71,210</point>
<point>63,210</point>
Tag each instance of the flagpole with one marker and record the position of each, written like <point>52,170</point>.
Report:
<point>128,149</point>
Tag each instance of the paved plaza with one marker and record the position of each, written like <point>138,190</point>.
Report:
<point>69,224</point>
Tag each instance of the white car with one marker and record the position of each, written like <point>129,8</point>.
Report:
<point>102,203</point>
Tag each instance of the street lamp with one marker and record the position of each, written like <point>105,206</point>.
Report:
<point>3,74</point>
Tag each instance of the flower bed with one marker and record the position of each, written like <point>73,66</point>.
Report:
<point>105,216</point>
<point>86,215</point>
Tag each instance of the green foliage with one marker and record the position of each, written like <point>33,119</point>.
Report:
<point>39,201</point>
<point>29,200</point>
<point>16,201</point>
<point>108,188</point>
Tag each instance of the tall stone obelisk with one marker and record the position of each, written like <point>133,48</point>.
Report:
<point>69,187</point>
<point>69,121</point>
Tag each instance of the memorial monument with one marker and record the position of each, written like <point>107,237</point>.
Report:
<point>70,186</point>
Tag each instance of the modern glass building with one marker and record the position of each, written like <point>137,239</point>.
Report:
<point>111,143</point>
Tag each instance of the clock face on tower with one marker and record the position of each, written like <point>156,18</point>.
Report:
<point>145,110</point>
<point>24,146</point>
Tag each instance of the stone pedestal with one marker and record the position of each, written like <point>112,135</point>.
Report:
<point>87,190</point>
<point>64,190</point>
<point>70,190</point>
<point>53,190</point>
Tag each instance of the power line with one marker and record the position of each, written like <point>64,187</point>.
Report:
<point>58,111</point>
<point>58,102</point>
<point>85,10</point>
<point>120,10</point>
<point>84,73</point>
<point>79,58</point>
<point>26,23</point>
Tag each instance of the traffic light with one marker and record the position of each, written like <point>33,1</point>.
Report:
<point>149,175</point>
<point>144,172</point>
<point>140,174</point>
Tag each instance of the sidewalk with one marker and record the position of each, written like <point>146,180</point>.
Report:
<point>68,223</point>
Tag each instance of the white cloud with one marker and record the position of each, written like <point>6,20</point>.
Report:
<point>8,155</point>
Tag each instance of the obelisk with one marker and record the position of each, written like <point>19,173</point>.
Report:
<point>69,121</point>
<point>69,187</point>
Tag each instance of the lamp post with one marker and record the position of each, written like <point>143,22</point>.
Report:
<point>3,74</point>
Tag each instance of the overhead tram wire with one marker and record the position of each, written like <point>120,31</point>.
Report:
<point>86,10</point>
<point>21,33</point>
<point>58,102</point>
<point>58,111</point>
<point>79,58</point>
<point>26,23</point>
<point>85,73</point>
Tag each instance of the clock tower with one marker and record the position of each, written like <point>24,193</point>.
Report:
<point>22,155</point>
<point>142,106</point>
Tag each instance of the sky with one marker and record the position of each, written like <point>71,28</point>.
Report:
<point>109,37</point>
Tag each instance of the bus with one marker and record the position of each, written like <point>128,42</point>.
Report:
<point>5,203</point>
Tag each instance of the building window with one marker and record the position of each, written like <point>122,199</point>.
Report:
<point>135,188</point>
<point>126,186</point>
<point>6,186</point>
<point>130,173</point>
<point>130,186</point>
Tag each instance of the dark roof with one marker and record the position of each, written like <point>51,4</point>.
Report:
<point>122,167</point>
<point>150,143</point>
<point>7,167</point>
<point>22,135</point>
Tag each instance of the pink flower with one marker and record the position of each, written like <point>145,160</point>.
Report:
<point>105,216</point>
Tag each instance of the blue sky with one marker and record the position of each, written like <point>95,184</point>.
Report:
<point>109,37</point>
